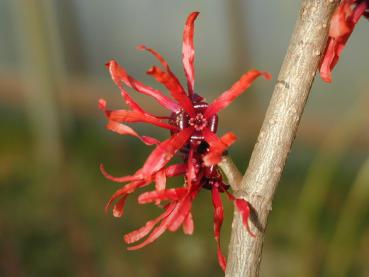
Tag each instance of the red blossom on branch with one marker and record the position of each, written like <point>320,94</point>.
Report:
<point>342,25</point>
<point>192,124</point>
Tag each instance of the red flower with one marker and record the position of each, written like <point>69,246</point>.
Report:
<point>342,25</point>
<point>192,125</point>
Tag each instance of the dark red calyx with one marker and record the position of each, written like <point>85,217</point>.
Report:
<point>182,120</point>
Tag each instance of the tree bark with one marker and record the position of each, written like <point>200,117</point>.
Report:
<point>277,133</point>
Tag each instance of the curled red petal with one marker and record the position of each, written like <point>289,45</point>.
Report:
<point>123,129</point>
<point>179,220</point>
<point>174,194</point>
<point>122,179</point>
<point>164,152</point>
<point>123,191</point>
<point>119,207</point>
<point>217,146</point>
<point>180,210</point>
<point>329,61</point>
<point>129,81</point>
<point>360,10</point>
<point>136,116</point>
<point>243,208</point>
<point>160,180</point>
<point>341,26</point>
<point>102,104</point>
<point>188,225</point>
<point>156,55</point>
<point>115,74</point>
<point>175,170</point>
<point>133,116</point>
<point>236,90</point>
<point>191,172</point>
<point>168,79</point>
<point>218,221</point>
<point>188,51</point>
<point>145,230</point>
<point>346,17</point>
<point>183,212</point>
<point>159,230</point>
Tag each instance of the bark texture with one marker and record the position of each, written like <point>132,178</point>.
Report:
<point>277,133</point>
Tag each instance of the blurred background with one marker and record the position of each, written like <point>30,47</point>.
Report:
<point>52,195</point>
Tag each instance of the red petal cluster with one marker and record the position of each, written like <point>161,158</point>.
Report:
<point>192,124</point>
<point>342,25</point>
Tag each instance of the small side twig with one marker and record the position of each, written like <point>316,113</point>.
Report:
<point>231,171</point>
<point>278,132</point>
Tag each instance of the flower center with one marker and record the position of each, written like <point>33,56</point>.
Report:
<point>199,122</point>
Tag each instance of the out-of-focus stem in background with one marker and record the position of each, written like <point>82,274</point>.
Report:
<point>319,181</point>
<point>43,73</point>
<point>345,241</point>
<point>238,33</point>
<point>39,69</point>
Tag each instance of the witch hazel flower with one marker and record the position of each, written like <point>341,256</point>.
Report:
<point>342,25</point>
<point>192,124</point>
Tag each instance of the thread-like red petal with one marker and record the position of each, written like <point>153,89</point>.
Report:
<point>183,212</point>
<point>121,74</point>
<point>173,220</point>
<point>114,71</point>
<point>137,176</point>
<point>164,152</point>
<point>119,206</point>
<point>218,221</point>
<point>156,55</point>
<point>188,51</point>
<point>217,146</point>
<point>160,180</point>
<point>123,191</point>
<point>174,194</point>
<point>135,116</point>
<point>158,231</point>
<point>170,171</point>
<point>329,61</point>
<point>188,225</point>
<point>123,129</point>
<point>341,26</point>
<point>168,79</point>
<point>191,172</point>
<point>236,90</point>
<point>145,230</point>
<point>243,208</point>
<point>175,170</point>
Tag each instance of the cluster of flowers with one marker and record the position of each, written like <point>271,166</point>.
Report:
<point>192,123</point>
<point>342,25</point>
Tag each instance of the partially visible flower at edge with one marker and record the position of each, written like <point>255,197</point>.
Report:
<point>192,125</point>
<point>341,26</point>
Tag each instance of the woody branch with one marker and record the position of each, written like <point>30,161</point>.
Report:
<point>277,133</point>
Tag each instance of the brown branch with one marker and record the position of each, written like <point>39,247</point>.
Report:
<point>278,132</point>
